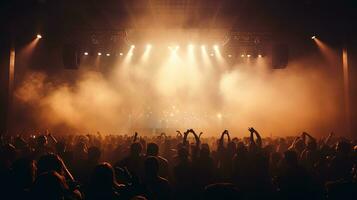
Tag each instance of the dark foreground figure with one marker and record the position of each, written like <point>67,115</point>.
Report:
<point>97,167</point>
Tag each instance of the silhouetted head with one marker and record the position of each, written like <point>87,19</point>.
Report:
<point>94,154</point>
<point>299,145</point>
<point>343,147</point>
<point>182,153</point>
<point>225,191</point>
<point>152,149</point>
<point>103,177</point>
<point>290,157</point>
<point>151,166</point>
<point>231,147</point>
<point>60,147</point>
<point>275,157</point>
<point>49,186</point>
<point>135,149</point>
<point>50,162</point>
<point>311,145</point>
<point>41,140</point>
<point>205,150</point>
<point>241,148</point>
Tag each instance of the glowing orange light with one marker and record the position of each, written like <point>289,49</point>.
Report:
<point>260,56</point>
<point>99,54</point>
<point>39,36</point>
<point>132,46</point>
<point>86,53</point>
<point>108,54</point>
<point>313,37</point>
<point>121,54</point>
<point>248,55</point>
<point>229,55</point>
<point>242,55</point>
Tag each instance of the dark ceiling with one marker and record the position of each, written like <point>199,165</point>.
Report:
<point>298,16</point>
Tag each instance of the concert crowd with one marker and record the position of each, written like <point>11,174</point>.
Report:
<point>178,166</point>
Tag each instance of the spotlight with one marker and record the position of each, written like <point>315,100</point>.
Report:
<point>121,54</point>
<point>260,55</point>
<point>99,54</point>
<point>108,54</point>
<point>229,55</point>
<point>248,55</point>
<point>86,53</point>
<point>148,46</point>
<point>203,46</point>
<point>313,37</point>
<point>39,36</point>
<point>190,46</point>
<point>177,47</point>
<point>242,55</point>
<point>132,46</point>
<point>212,54</point>
<point>215,46</point>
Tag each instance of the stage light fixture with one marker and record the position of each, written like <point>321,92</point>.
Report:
<point>108,54</point>
<point>86,53</point>
<point>260,55</point>
<point>99,54</point>
<point>242,55</point>
<point>313,37</point>
<point>148,46</point>
<point>39,36</point>
<point>248,55</point>
<point>132,46</point>
<point>212,54</point>
<point>215,46</point>
<point>203,46</point>
<point>121,54</point>
<point>229,55</point>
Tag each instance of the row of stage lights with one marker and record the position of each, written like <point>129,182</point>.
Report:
<point>190,46</point>
<point>176,48</point>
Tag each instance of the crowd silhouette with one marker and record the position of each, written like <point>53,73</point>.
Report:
<point>123,167</point>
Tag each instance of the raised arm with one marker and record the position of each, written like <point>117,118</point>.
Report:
<point>305,134</point>
<point>328,139</point>
<point>197,138</point>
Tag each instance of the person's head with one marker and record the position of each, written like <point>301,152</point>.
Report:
<point>24,171</point>
<point>241,149</point>
<point>311,145</point>
<point>103,177</point>
<point>275,157</point>
<point>343,147</point>
<point>49,185</point>
<point>182,153</point>
<point>151,166</point>
<point>290,157</point>
<point>152,149</point>
<point>41,140</point>
<point>221,191</point>
<point>205,150</point>
<point>231,147</point>
<point>60,147</point>
<point>299,145</point>
<point>135,149</point>
<point>50,162</point>
<point>94,154</point>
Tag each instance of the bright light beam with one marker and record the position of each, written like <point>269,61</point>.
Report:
<point>146,53</point>
<point>218,54</point>
<point>129,55</point>
<point>205,56</point>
